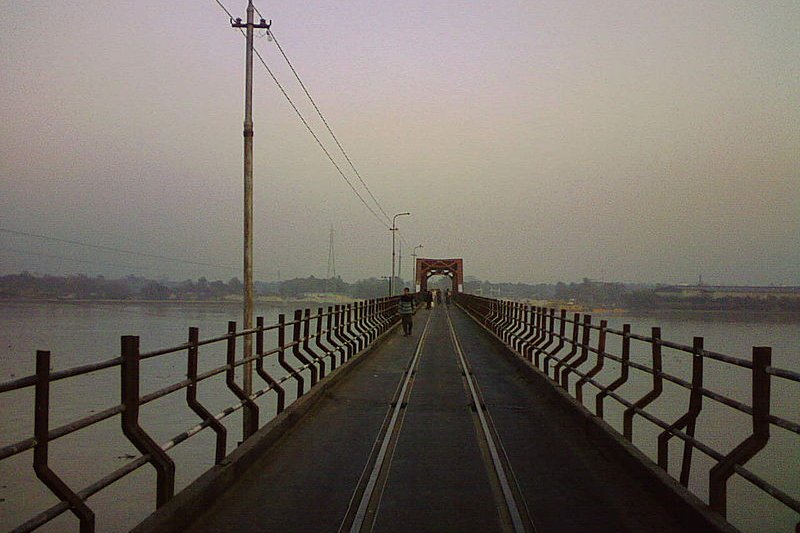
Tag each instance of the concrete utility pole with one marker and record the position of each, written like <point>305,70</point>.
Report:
<point>393,229</point>
<point>248,201</point>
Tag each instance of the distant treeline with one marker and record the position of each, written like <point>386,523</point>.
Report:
<point>82,287</point>
<point>587,293</point>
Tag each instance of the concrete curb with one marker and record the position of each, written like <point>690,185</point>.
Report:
<point>683,502</point>
<point>183,509</point>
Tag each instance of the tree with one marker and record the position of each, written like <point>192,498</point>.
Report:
<point>154,290</point>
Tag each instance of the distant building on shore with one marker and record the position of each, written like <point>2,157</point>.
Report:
<point>718,292</point>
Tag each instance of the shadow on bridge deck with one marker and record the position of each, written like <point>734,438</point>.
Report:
<point>564,472</point>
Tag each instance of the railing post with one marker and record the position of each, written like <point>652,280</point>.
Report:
<point>655,392</point>
<point>587,330</point>
<point>165,467</point>
<point>352,344</point>
<point>338,325</point>
<point>281,394</point>
<point>601,352</point>
<point>550,333</point>
<point>249,407</point>
<point>688,420</point>
<point>358,332</point>
<point>494,312</point>
<point>695,406</point>
<point>558,375</point>
<point>562,317</point>
<point>41,430</point>
<point>383,324</point>
<point>306,338</point>
<point>282,355</point>
<point>507,320</point>
<point>719,473</point>
<point>195,405</point>
<point>542,328</point>
<point>372,321</point>
<point>536,332</point>
<point>624,369</point>
<point>513,328</point>
<point>298,319</point>
<point>498,321</point>
<point>333,345</point>
<point>318,339</point>
<point>527,332</point>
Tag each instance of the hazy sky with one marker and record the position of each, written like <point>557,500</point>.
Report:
<point>539,140</point>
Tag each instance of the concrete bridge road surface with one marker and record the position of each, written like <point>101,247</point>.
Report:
<point>440,431</point>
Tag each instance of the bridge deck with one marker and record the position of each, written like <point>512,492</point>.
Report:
<point>438,473</point>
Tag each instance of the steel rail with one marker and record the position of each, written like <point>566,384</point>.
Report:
<point>502,477</point>
<point>372,481</point>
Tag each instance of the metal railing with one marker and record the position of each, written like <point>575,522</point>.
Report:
<point>338,335</point>
<point>560,347</point>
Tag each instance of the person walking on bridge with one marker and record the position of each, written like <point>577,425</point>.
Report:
<point>406,311</point>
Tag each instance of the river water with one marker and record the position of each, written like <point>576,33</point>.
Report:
<point>79,333</point>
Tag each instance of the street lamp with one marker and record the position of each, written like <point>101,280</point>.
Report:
<point>400,263</point>
<point>414,265</point>
<point>393,229</point>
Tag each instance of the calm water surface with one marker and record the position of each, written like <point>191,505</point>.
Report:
<point>83,333</point>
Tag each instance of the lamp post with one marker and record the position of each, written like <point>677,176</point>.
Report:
<point>393,229</point>
<point>387,278</point>
<point>414,265</point>
<point>400,263</point>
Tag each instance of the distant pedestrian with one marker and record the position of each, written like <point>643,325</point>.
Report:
<point>406,311</point>
<point>438,297</point>
<point>428,299</point>
<point>447,297</point>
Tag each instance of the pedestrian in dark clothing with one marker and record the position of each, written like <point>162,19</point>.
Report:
<point>406,311</point>
<point>428,299</point>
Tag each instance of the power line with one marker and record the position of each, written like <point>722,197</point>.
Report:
<point>225,9</point>
<point>308,127</point>
<point>324,121</point>
<point>63,258</point>
<point>113,249</point>
<point>319,142</point>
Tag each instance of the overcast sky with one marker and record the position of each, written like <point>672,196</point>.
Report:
<point>539,140</point>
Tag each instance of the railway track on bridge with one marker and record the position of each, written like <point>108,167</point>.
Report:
<point>365,505</point>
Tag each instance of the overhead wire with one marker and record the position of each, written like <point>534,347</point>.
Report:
<point>308,127</point>
<point>225,9</point>
<point>114,249</point>
<point>319,142</point>
<point>325,122</point>
<point>84,261</point>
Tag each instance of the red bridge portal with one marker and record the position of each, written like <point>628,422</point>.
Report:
<point>453,268</point>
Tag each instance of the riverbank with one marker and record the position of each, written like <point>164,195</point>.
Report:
<point>321,298</point>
